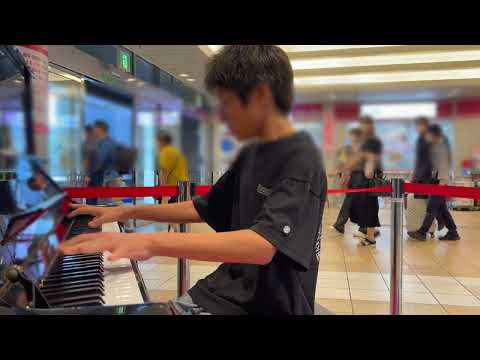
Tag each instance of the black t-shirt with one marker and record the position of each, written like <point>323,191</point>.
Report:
<point>278,190</point>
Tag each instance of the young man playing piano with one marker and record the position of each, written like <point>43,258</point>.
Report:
<point>266,209</point>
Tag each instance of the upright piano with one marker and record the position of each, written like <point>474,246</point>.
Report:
<point>35,278</point>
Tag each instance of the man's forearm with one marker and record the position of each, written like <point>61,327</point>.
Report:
<point>242,246</point>
<point>183,212</point>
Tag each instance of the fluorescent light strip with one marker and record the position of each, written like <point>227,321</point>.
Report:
<point>393,77</point>
<point>310,48</point>
<point>399,111</point>
<point>378,60</point>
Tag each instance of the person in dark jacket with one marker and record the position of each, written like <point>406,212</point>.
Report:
<point>423,165</point>
<point>423,171</point>
<point>441,159</point>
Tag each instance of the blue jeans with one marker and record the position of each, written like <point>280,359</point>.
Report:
<point>184,305</point>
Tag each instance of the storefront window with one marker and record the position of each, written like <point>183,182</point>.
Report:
<point>117,115</point>
<point>64,120</point>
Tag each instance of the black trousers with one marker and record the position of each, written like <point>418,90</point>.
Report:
<point>437,208</point>
<point>344,213</point>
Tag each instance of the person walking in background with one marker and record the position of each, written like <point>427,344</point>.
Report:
<point>423,171</point>
<point>345,156</point>
<point>103,159</point>
<point>172,164</point>
<point>88,149</point>
<point>364,206</point>
<point>441,160</point>
<point>356,164</point>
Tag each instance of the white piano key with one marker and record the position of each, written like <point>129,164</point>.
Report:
<point>120,282</point>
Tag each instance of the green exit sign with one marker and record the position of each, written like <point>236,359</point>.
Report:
<point>125,61</point>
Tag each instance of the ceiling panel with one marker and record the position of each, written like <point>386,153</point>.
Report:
<point>344,66</point>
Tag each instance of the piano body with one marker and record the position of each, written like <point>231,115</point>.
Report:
<point>35,278</point>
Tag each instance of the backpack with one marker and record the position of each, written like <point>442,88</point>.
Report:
<point>124,159</point>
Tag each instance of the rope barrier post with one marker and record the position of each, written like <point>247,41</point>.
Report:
<point>157,183</point>
<point>134,199</point>
<point>183,267</point>
<point>396,253</point>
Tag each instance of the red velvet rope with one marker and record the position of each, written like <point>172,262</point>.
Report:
<point>159,191</point>
<point>121,192</point>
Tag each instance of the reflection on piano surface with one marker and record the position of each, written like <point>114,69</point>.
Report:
<point>35,275</point>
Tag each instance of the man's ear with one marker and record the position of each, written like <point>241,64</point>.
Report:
<point>262,94</point>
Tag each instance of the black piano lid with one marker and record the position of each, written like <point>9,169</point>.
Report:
<point>25,198</point>
<point>30,238</point>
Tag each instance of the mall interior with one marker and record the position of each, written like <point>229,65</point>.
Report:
<point>141,89</point>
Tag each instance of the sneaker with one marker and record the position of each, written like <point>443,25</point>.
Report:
<point>417,235</point>
<point>367,242</point>
<point>339,229</point>
<point>450,236</point>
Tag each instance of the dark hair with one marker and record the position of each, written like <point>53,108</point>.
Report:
<point>435,130</point>
<point>355,131</point>
<point>366,120</point>
<point>88,129</point>
<point>421,120</point>
<point>240,68</point>
<point>101,125</point>
<point>373,146</point>
<point>164,137</point>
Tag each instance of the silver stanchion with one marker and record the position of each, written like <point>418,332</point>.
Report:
<point>396,247</point>
<point>134,200</point>
<point>183,267</point>
<point>157,183</point>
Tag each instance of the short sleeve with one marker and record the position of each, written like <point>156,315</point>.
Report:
<point>291,220</point>
<point>215,207</point>
<point>167,160</point>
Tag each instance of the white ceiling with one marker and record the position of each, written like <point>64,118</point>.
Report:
<point>343,73</point>
<point>176,60</point>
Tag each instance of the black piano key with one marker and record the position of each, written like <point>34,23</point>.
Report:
<point>75,265</point>
<point>66,293</point>
<point>78,263</point>
<point>77,269</point>
<point>69,299</point>
<point>90,276</point>
<point>84,274</point>
<point>51,293</point>
<point>58,284</point>
<point>82,256</point>
<point>86,258</point>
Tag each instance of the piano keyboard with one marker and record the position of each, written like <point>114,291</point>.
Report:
<point>91,280</point>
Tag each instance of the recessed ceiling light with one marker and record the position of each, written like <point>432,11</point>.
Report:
<point>183,75</point>
<point>130,79</point>
<point>309,48</point>
<point>388,77</point>
<point>382,60</point>
<point>191,79</point>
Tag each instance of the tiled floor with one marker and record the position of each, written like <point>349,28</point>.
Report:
<point>439,277</point>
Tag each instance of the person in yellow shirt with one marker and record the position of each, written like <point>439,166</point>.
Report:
<point>172,164</point>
